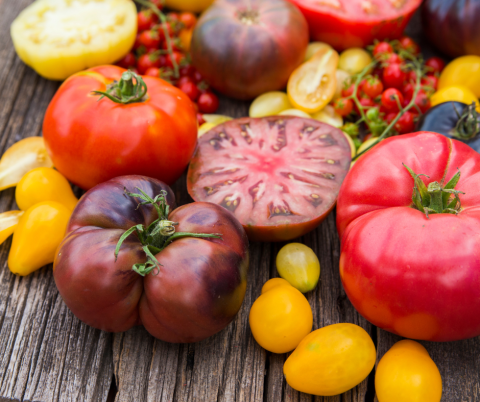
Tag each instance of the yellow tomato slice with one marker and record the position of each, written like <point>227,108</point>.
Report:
<point>312,85</point>
<point>8,223</point>
<point>58,38</point>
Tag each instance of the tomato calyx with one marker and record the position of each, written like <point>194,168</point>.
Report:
<point>436,198</point>
<point>125,91</point>
<point>468,125</point>
<point>158,235</point>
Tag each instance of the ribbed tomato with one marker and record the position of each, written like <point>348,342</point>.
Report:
<point>279,175</point>
<point>244,49</point>
<point>356,23</point>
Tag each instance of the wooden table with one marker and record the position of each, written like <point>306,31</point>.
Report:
<point>47,354</point>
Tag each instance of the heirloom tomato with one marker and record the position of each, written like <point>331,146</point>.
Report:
<point>279,175</point>
<point>147,127</point>
<point>131,258</point>
<point>464,71</point>
<point>356,23</point>
<point>244,49</point>
<point>408,216</point>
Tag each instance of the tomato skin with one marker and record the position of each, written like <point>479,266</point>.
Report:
<point>208,102</point>
<point>393,259</point>
<point>166,303</point>
<point>389,99</point>
<point>393,76</point>
<point>91,140</point>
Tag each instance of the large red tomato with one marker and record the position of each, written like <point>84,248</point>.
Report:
<point>91,140</point>
<point>356,23</point>
<point>413,275</point>
<point>246,48</point>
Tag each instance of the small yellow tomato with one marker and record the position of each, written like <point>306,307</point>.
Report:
<point>185,37</point>
<point>194,6</point>
<point>464,71</point>
<point>8,223</point>
<point>205,128</point>
<point>299,266</point>
<point>314,47</point>
<point>406,373</point>
<point>353,148</point>
<point>44,184</point>
<point>312,85</point>
<point>39,232</point>
<point>454,93</point>
<point>295,112</point>
<point>331,360</point>
<point>281,317</point>
<point>269,104</point>
<point>343,80</point>
<point>216,118</point>
<point>366,144</point>
<point>354,60</point>
<point>328,115</point>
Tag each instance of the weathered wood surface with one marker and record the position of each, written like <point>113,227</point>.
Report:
<point>46,354</point>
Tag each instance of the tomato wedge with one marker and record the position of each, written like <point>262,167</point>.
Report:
<point>279,175</point>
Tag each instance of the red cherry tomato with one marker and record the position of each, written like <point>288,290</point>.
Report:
<point>158,3</point>
<point>146,19</point>
<point>393,76</point>
<point>422,101</point>
<point>366,104</point>
<point>372,87</point>
<point>405,123</point>
<point>346,92</point>
<point>430,83</point>
<point>393,58</point>
<point>187,70</point>
<point>389,99</point>
<point>190,89</point>
<point>177,56</point>
<point>381,49</point>
<point>153,72</point>
<point>208,102</point>
<point>390,116</point>
<point>129,60</point>
<point>408,91</point>
<point>200,119</point>
<point>188,19</point>
<point>343,106</point>
<point>184,79</point>
<point>434,65</point>
<point>409,45</point>
<point>151,39</point>
<point>146,61</point>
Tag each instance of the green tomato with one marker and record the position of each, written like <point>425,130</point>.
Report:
<point>354,60</point>
<point>269,104</point>
<point>298,265</point>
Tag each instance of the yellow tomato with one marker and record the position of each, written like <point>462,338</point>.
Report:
<point>185,37</point>
<point>331,360</point>
<point>366,144</point>
<point>20,158</point>
<point>269,104</point>
<point>44,184</point>
<point>58,38</point>
<point>353,148</point>
<point>314,47</point>
<point>354,60</point>
<point>38,234</point>
<point>454,93</point>
<point>8,223</point>
<point>295,112</point>
<point>463,71</point>
<point>211,120</point>
<point>328,115</point>
<point>406,373</point>
<point>312,85</point>
<point>343,80</point>
<point>194,6</point>
<point>281,317</point>
<point>299,266</point>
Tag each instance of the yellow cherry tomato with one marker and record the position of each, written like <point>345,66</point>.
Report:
<point>44,184</point>
<point>281,317</point>
<point>331,360</point>
<point>354,60</point>
<point>464,71</point>
<point>39,232</point>
<point>8,223</point>
<point>454,93</point>
<point>58,38</point>
<point>328,115</point>
<point>406,373</point>
<point>295,112</point>
<point>205,128</point>
<point>216,118</point>
<point>194,6</point>
<point>366,144</point>
<point>298,265</point>
<point>353,148</point>
<point>314,47</point>
<point>20,158</point>
<point>343,80</point>
<point>269,104</point>
<point>312,85</point>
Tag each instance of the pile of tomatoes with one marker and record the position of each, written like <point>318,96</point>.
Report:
<point>161,50</point>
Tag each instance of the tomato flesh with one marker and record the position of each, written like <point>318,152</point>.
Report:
<point>280,176</point>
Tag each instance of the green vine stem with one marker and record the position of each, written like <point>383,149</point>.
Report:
<point>158,235</point>
<point>164,23</point>
<point>125,91</point>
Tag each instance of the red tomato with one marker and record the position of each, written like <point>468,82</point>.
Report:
<point>188,19</point>
<point>392,58</point>
<point>408,44</point>
<point>356,23</point>
<point>190,89</point>
<point>279,175</point>
<point>208,102</point>
<point>415,276</point>
<point>430,82</point>
<point>393,76</point>
<point>381,49</point>
<point>405,124</point>
<point>91,140</point>
<point>187,70</point>
<point>244,53</point>
<point>346,92</point>
<point>153,72</point>
<point>372,87</point>
<point>146,61</point>
<point>128,61</point>
<point>408,91</point>
<point>434,65</point>
<point>150,39</point>
<point>343,107</point>
<point>146,19</point>
<point>177,56</point>
<point>391,97</point>
<point>422,101</point>
<point>106,293</point>
<point>200,119</point>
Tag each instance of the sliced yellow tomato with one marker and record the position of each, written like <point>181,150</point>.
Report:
<point>463,71</point>
<point>194,6</point>
<point>295,112</point>
<point>312,85</point>
<point>328,115</point>
<point>8,223</point>
<point>58,38</point>
<point>314,47</point>
<point>457,93</point>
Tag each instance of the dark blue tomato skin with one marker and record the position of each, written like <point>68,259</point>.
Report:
<point>443,119</point>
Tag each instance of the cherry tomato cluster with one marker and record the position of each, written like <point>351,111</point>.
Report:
<point>388,87</point>
<point>161,50</point>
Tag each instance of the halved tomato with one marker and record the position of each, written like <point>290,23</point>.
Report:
<point>356,23</point>
<point>279,175</point>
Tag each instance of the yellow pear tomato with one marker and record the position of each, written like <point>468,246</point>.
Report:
<point>194,6</point>
<point>58,38</point>
<point>464,71</point>
<point>314,47</point>
<point>295,112</point>
<point>44,184</point>
<point>38,234</point>
<point>331,360</point>
<point>281,317</point>
<point>454,93</point>
<point>20,158</point>
<point>269,104</point>
<point>354,60</point>
<point>312,85</point>
<point>406,373</point>
<point>298,265</point>
<point>8,223</point>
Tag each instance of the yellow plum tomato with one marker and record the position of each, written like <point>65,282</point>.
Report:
<point>269,104</point>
